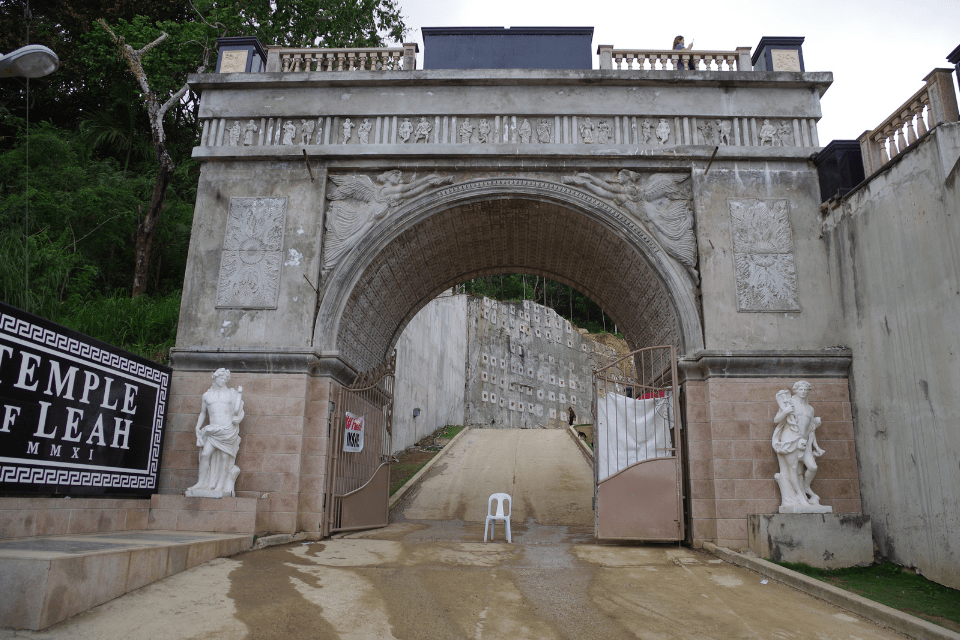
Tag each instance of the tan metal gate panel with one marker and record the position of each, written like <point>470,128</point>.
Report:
<point>358,485</point>
<point>638,461</point>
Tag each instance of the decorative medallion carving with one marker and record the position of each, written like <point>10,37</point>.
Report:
<point>357,203</point>
<point>763,255</point>
<point>252,253</point>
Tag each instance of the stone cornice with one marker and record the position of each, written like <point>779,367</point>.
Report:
<point>506,77</point>
<point>705,364</point>
<point>274,361</point>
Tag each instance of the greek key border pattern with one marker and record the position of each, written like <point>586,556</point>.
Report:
<point>42,335</point>
<point>14,474</point>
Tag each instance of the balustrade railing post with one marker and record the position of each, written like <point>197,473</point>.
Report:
<point>410,50</point>
<point>943,99</point>
<point>273,58</point>
<point>743,59</point>
<point>870,151</point>
<point>605,51</point>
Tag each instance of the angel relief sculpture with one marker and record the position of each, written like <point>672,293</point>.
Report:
<point>660,203</point>
<point>357,203</point>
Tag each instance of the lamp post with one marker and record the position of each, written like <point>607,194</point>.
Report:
<point>31,61</point>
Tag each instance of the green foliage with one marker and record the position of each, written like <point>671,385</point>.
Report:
<point>895,587</point>
<point>144,325</point>
<point>562,298</point>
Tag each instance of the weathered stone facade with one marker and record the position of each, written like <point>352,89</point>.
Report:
<point>665,196</point>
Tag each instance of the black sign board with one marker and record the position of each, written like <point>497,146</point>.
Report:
<point>78,417</point>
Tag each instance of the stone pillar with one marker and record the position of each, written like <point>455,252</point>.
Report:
<point>743,59</point>
<point>410,51</point>
<point>943,99</point>
<point>605,51</point>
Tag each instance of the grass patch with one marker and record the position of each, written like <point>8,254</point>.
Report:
<point>895,587</point>
<point>411,460</point>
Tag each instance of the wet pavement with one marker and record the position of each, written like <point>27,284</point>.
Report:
<point>433,578</point>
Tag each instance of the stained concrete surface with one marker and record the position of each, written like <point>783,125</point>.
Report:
<point>421,578</point>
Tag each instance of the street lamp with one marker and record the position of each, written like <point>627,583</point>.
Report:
<point>31,61</point>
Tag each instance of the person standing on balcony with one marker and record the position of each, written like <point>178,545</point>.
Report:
<point>678,45</point>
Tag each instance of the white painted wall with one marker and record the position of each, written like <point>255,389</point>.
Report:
<point>894,257</point>
<point>431,369</point>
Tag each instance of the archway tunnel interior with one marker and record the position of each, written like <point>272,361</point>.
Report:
<point>489,237</point>
<point>504,235</point>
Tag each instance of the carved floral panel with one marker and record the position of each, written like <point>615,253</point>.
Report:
<point>764,264</point>
<point>252,253</point>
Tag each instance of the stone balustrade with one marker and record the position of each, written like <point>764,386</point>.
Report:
<point>933,104</point>
<point>674,59</point>
<point>287,59</point>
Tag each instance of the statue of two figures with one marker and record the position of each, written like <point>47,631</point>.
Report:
<point>219,439</point>
<point>795,442</point>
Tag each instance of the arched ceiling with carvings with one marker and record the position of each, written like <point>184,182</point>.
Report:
<point>503,235</point>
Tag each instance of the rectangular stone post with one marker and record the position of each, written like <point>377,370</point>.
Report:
<point>743,59</point>
<point>273,58</point>
<point>870,151</point>
<point>943,99</point>
<point>410,50</point>
<point>605,51</point>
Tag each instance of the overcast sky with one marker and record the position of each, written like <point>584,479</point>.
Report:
<point>878,51</point>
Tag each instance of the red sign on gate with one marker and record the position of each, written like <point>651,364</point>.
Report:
<point>353,433</point>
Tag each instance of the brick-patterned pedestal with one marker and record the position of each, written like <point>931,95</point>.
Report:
<point>729,424</point>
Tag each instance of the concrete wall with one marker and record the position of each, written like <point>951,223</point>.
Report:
<point>893,247</point>
<point>431,362</point>
<point>527,366</point>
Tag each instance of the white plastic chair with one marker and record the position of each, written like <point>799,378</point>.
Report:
<point>493,516</point>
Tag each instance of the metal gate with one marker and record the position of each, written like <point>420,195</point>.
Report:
<point>358,486</point>
<point>637,466</point>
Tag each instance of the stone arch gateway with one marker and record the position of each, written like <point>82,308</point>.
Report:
<point>492,225</point>
<point>335,201</point>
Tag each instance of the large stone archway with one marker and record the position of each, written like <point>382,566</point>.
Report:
<point>498,225</point>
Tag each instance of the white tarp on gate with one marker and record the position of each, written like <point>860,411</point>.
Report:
<point>629,431</point>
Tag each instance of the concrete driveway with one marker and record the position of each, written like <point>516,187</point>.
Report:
<point>428,575</point>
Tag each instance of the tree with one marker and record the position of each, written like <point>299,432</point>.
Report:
<point>349,23</point>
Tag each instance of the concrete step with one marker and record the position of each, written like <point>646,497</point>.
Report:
<point>48,579</point>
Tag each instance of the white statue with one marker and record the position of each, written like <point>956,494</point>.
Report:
<point>219,439</point>
<point>289,130</point>
<point>586,130</point>
<point>544,131</point>
<point>525,131</point>
<point>363,131</point>
<point>647,129</point>
<point>346,130</point>
<point>723,132</point>
<point>406,128</point>
<point>306,130</point>
<point>795,442</point>
<point>484,129</point>
<point>603,132</point>
<point>466,131</point>
<point>663,131</point>
<point>248,130</point>
<point>234,133</point>
<point>768,134</point>
<point>423,131</point>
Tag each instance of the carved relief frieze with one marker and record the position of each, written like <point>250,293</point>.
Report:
<point>625,130</point>
<point>764,263</point>
<point>252,253</point>
<point>660,202</point>
<point>357,203</point>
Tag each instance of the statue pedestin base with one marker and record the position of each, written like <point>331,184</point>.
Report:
<point>207,493</point>
<point>806,508</point>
